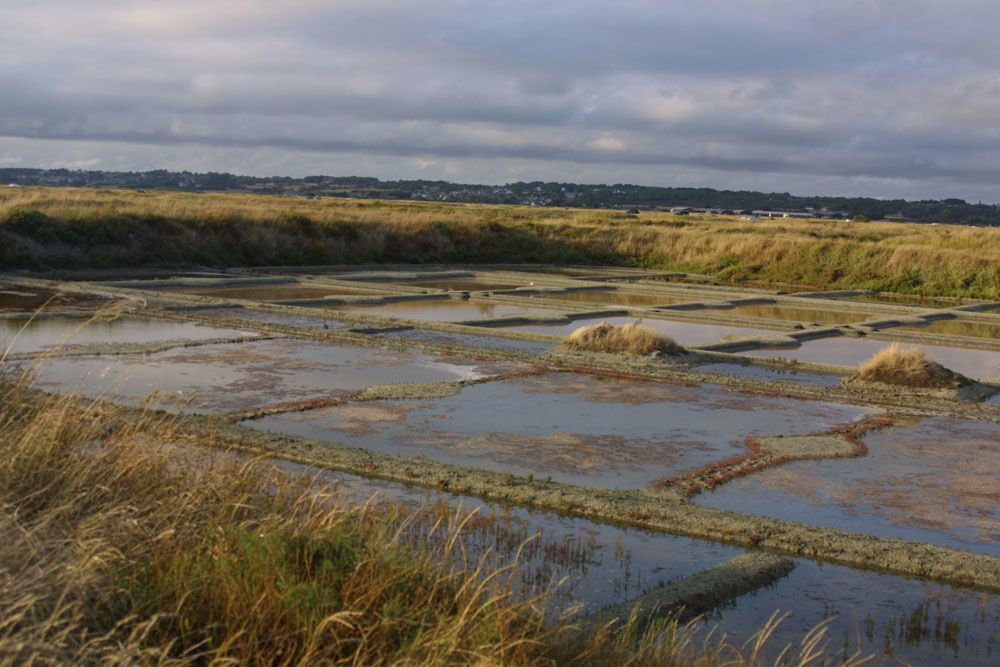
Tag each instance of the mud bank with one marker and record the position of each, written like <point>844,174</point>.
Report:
<point>697,594</point>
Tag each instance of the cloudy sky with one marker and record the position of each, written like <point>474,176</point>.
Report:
<point>874,97</point>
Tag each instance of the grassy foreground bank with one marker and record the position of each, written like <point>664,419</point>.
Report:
<point>123,545</point>
<point>65,228</point>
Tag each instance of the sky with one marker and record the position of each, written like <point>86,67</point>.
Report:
<point>885,98</point>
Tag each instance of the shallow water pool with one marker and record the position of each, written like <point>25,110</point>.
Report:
<point>223,378</point>
<point>620,298</point>
<point>797,314</point>
<point>460,285</point>
<point>934,480</point>
<point>273,292</point>
<point>449,310</point>
<point>853,351</point>
<point>576,429</point>
<point>47,332</point>
<point>15,299</point>
<point>957,328</point>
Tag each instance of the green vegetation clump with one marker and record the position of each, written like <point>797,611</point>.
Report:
<point>630,338</point>
<point>909,367</point>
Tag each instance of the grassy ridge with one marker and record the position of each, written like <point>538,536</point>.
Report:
<point>80,228</point>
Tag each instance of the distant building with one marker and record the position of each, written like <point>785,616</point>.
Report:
<point>783,214</point>
<point>825,212</point>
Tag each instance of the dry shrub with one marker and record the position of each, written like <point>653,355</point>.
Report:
<point>631,338</point>
<point>909,367</point>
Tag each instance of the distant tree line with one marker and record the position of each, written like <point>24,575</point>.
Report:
<point>951,211</point>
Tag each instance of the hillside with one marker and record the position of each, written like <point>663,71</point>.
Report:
<point>536,193</point>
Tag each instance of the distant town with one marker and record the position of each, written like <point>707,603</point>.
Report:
<point>633,198</point>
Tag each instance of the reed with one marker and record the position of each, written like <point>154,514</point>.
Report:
<point>909,367</point>
<point>127,542</point>
<point>122,543</point>
<point>630,338</point>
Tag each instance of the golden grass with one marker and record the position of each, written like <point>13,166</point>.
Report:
<point>120,547</point>
<point>126,543</point>
<point>630,338</point>
<point>666,643</point>
<point>909,367</point>
<point>67,228</point>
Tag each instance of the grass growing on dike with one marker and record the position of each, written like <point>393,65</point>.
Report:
<point>117,547</point>
<point>631,338</point>
<point>121,544</point>
<point>909,367</point>
<point>86,228</point>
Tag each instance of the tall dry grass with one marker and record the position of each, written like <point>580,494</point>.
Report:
<point>79,228</point>
<point>125,543</point>
<point>119,546</point>
<point>668,643</point>
<point>629,338</point>
<point>909,367</point>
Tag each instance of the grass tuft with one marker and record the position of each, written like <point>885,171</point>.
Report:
<point>631,338</point>
<point>909,367</point>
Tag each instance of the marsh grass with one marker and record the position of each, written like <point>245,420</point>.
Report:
<point>667,642</point>
<point>86,228</point>
<point>127,542</point>
<point>119,545</point>
<point>909,367</point>
<point>629,338</point>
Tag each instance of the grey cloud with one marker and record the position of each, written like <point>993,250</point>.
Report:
<point>863,94</point>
